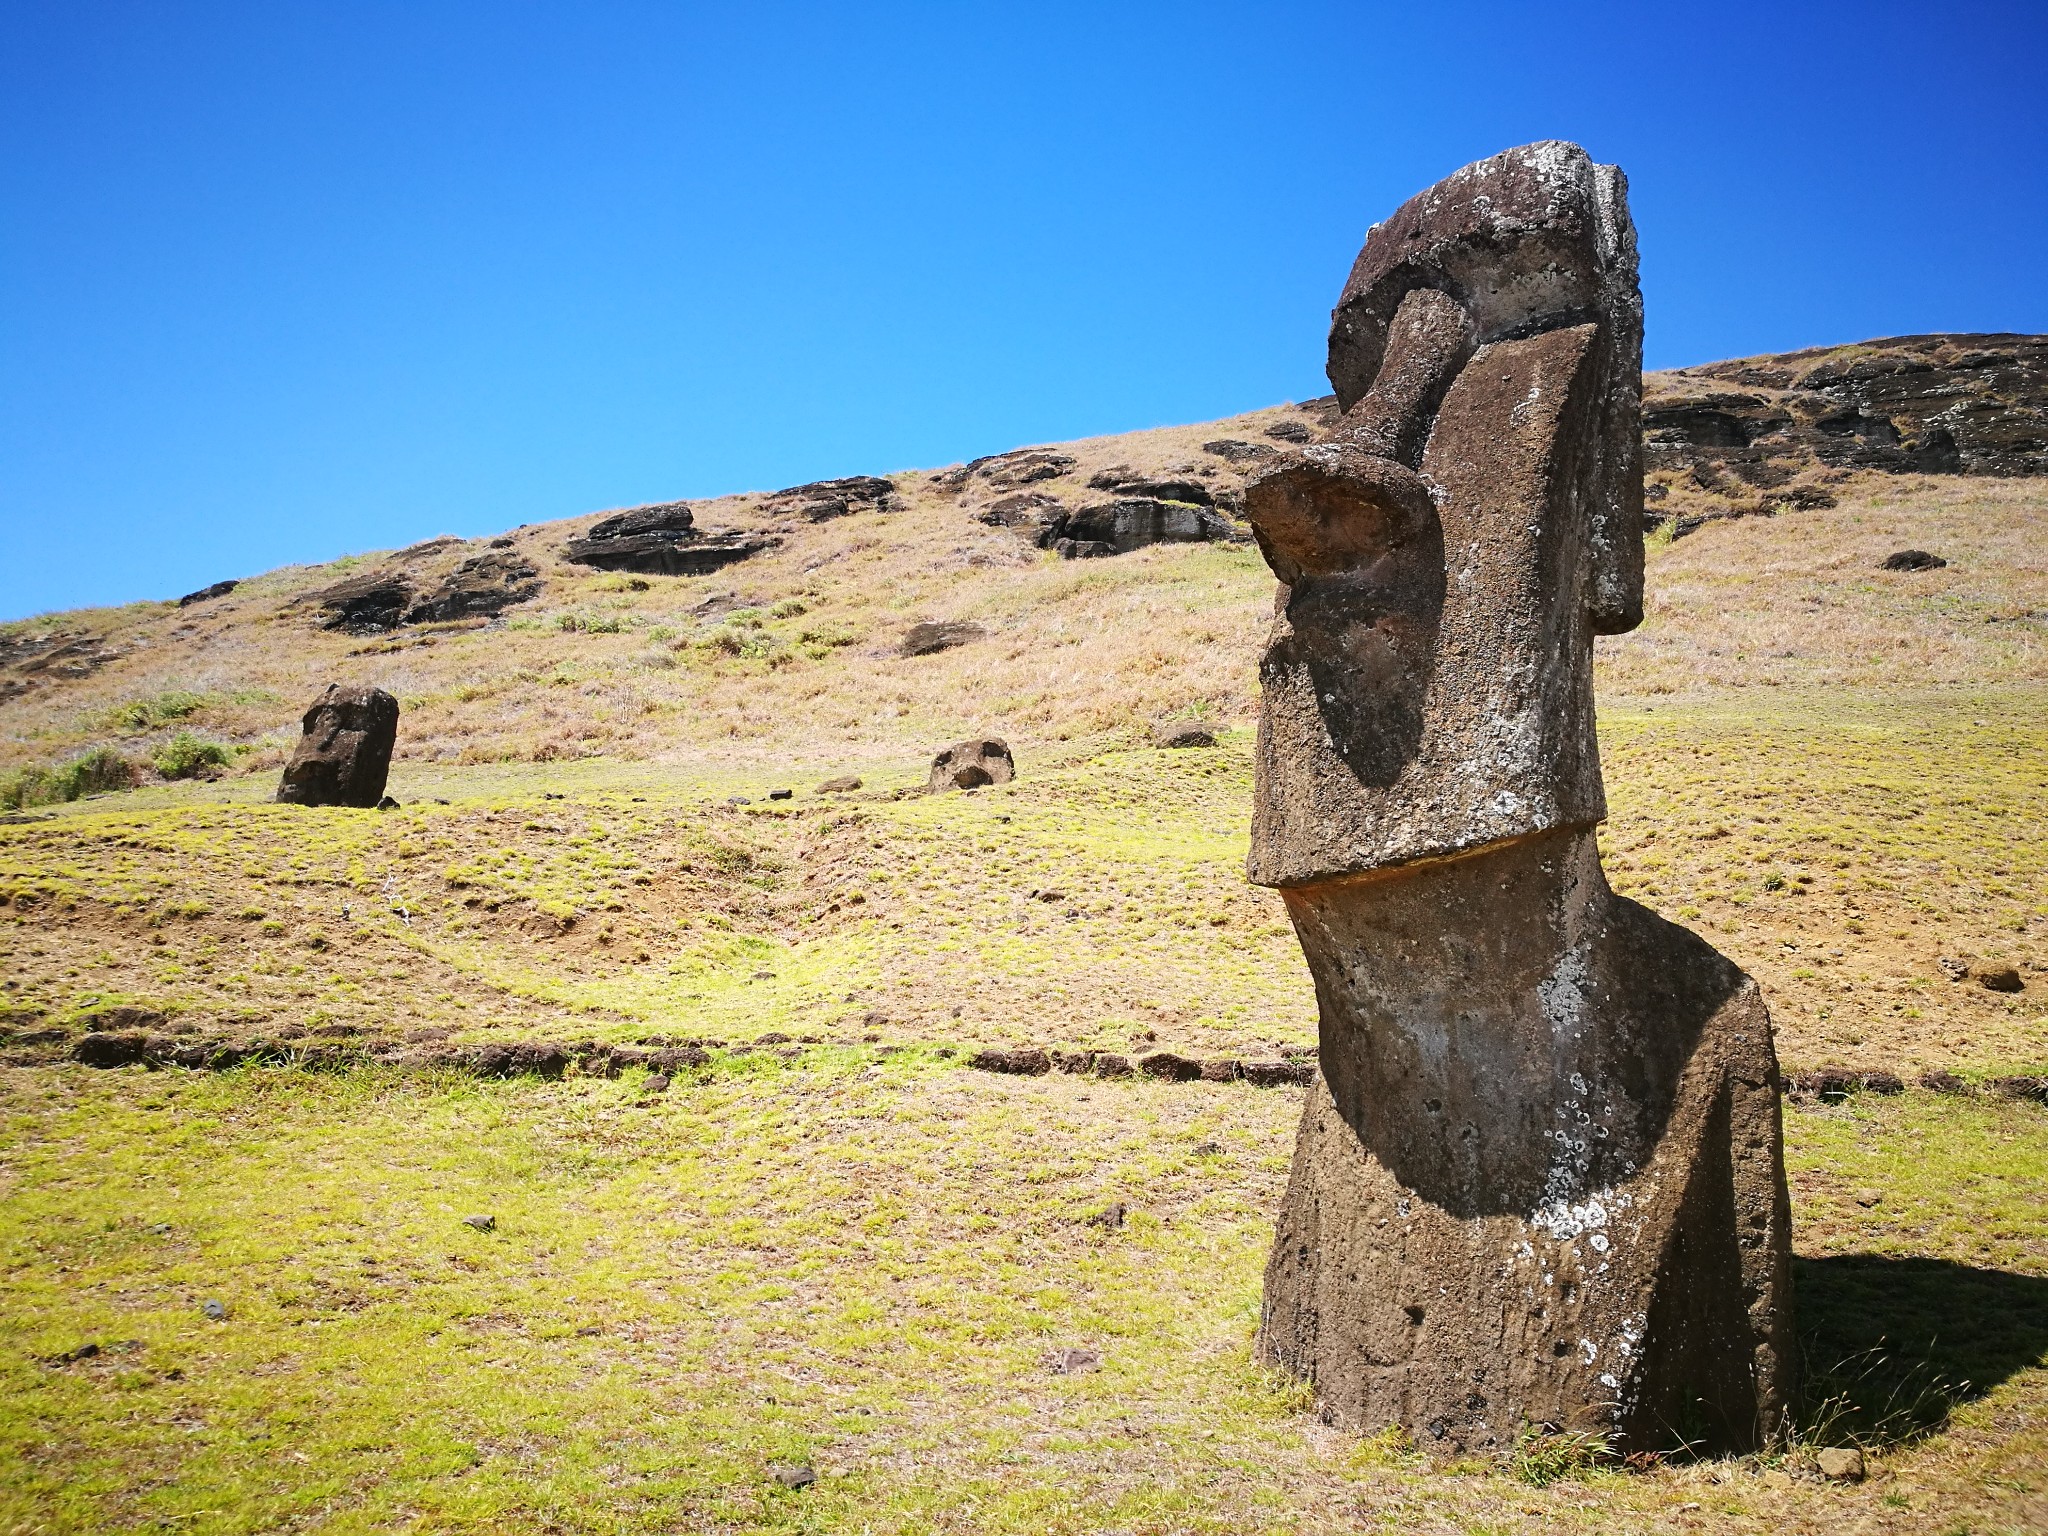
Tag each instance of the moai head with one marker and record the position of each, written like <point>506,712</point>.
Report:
<point>1448,551</point>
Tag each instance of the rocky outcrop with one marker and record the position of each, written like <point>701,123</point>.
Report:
<point>207,594</point>
<point>1540,1179</point>
<point>825,499</point>
<point>1032,510</point>
<point>1241,454</point>
<point>1133,522</point>
<point>344,751</point>
<point>482,586</point>
<point>971,765</point>
<point>365,604</point>
<point>1008,471</point>
<point>661,540</point>
<point>1940,404</point>
<point>28,661</point>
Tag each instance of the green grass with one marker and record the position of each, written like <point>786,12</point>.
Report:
<point>858,1263</point>
<point>775,1246</point>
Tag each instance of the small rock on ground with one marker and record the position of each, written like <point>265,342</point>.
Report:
<point>481,1223</point>
<point>794,1477</point>
<point>1841,1464</point>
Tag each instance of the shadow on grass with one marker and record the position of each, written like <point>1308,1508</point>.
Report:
<point>1892,1346</point>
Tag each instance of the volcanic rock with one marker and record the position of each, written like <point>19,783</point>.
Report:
<point>1131,482</point>
<point>1540,1177</point>
<point>845,785</point>
<point>1169,1067</point>
<point>1291,432</point>
<point>661,540</point>
<point>937,635</point>
<point>206,594</point>
<point>484,585</point>
<point>1935,404</point>
<point>1026,509</point>
<point>1240,453</point>
<point>971,765</point>
<point>344,750</point>
<point>1913,560</point>
<point>1118,527</point>
<point>1008,471</point>
<point>1182,733</point>
<point>823,499</point>
<point>365,604</point>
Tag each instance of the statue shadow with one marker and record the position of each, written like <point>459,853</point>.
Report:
<point>1892,1346</point>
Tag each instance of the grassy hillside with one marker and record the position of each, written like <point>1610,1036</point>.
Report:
<point>844,1248</point>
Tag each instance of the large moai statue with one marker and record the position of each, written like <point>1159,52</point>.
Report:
<point>1540,1178</point>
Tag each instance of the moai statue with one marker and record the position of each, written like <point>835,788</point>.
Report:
<point>1540,1178</point>
<point>344,751</point>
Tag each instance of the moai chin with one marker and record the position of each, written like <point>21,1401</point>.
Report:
<point>1540,1179</point>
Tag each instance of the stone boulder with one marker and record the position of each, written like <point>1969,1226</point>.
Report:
<point>1033,510</point>
<point>1008,471</point>
<point>366,604</point>
<point>971,765</point>
<point>344,751</point>
<point>1182,733</point>
<point>482,586</point>
<point>207,594</point>
<point>824,499</point>
<point>936,635</point>
<point>661,540</point>
<point>1133,522</point>
<point>1162,487</point>
<point>1242,455</point>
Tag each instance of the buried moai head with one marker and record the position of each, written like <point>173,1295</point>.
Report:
<point>1448,551</point>
<point>344,751</point>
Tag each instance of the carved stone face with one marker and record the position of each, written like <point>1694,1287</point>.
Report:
<point>1447,555</point>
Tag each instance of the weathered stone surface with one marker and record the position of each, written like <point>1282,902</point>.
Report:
<point>207,594</point>
<point>1008,471</point>
<point>1539,1179</point>
<point>482,586</point>
<point>1840,1464</point>
<point>933,636</point>
<point>1164,487</point>
<point>1240,453</point>
<point>361,605</point>
<point>823,499</point>
<point>661,540</point>
<point>1939,404</point>
<point>1025,509</point>
<point>844,785</point>
<point>1132,522</point>
<point>344,750</point>
<point>971,765</point>
<point>1182,733</point>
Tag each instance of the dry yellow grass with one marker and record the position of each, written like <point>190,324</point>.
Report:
<point>806,670</point>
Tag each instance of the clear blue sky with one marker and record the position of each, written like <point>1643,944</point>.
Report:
<point>285,279</point>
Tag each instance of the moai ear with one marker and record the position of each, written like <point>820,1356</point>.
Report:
<point>1614,535</point>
